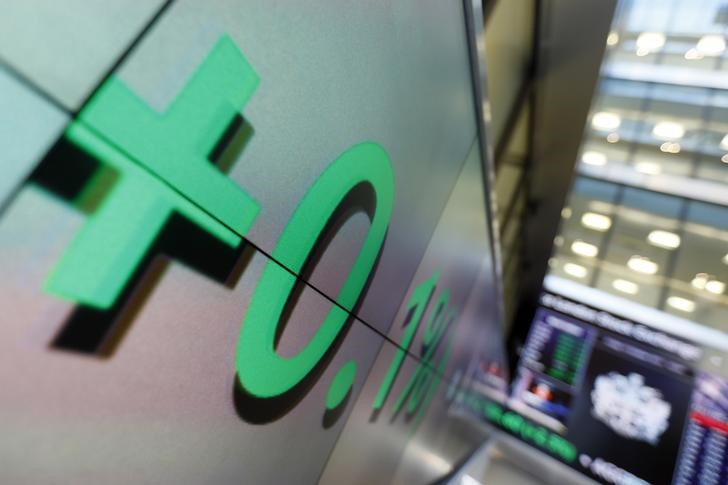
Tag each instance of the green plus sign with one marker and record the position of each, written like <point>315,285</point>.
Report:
<point>160,165</point>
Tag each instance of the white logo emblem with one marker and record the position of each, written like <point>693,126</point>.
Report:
<point>629,407</point>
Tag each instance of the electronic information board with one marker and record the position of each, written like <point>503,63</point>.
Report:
<point>241,241</point>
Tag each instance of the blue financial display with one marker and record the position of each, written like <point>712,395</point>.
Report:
<point>618,400</point>
<point>241,242</point>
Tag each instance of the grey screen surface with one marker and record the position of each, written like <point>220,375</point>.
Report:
<point>159,213</point>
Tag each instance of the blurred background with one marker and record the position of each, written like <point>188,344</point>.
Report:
<point>610,131</point>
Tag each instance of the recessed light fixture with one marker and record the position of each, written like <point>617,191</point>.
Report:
<point>664,239</point>
<point>566,212</point>
<point>613,138</point>
<point>682,304</point>
<point>725,259</point>
<point>699,281</point>
<point>724,158</point>
<point>724,142</point>
<point>612,38</point>
<point>642,265</point>
<point>704,281</point>
<point>693,54</point>
<point>648,168</point>
<point>606,121</point>
<point>595,221</point>
<point>670,147</point>
<point>594,158</point>
<point>648,42</point>
<point>629,287</point>
<point>668,130</point>
<point>559,241</point>
<point>711,45</point>
<point>584,249</point>
<point>715,286</point>
<point>575,270</point>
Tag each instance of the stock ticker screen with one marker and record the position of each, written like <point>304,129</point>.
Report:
<point>240,241</point>
<point>620,401</point>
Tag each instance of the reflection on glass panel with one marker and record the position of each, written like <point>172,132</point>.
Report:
<point>658,250</point>
<point>644,235</point>
<point>701,267</point>
<point>669,124</point>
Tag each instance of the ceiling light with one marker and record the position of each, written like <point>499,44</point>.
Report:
<point>598,222</point>
<point>699,281</point>
<point>693,54</point>
<point>711,45</point>
<point>559,241</point>
<point>725,259</point>
<point>703,281</point>
<point>648,168</point>
<point>606,121</point>
<point>649,42</point>
<point>642,264</point>
<point>724,142</point>
<point>724,158</point>
<point>613,138</point>
<point>575,270</point>
<point>682,304</point>
<point>664,239</point>
<point>668,130</point>
<point>594,158</point>
<point>625,286</point>
<point>584,249</point>
<point>612,38</point>
<point>670,147</point>
<point>715,286</point>
<point>566,212</point>
<point>601,206</point>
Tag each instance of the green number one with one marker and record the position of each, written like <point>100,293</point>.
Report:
<point>415,308</point>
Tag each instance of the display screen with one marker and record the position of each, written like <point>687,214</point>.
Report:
<point>240,241</point>
<point>620,401</point>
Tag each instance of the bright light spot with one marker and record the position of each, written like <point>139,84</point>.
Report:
<point>648,168</point>
<point>642,264</point>
<point>699,281</point>
<point>566,212</point>
<point>724,158</point>
<point>693,54</point>
<point>613,138</point>
<point>606,121</point>
<point>598,222</point>
<point>703,281</point>
<point>682,304</point>
<point>575,270</point>
<point>668,130</point>
<point>625,286</point>
<point>725,259</point>
<point>594,158</point>
<point>715,286</point>
<point>711,45</point>
<point>664,239</point>
<point>649,42</point>
<point>584,249</point>
<point>612,38</point>
<point>724,142</point>
<point>559,241</point>
<point>670,147</point>
<point>468,480</point>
